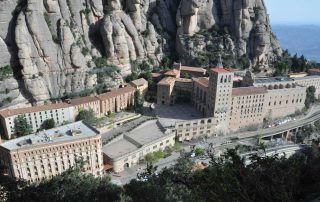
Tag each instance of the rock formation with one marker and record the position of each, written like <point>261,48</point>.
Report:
<point>52,44</point>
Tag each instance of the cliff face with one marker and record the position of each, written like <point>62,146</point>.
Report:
<point>51,44</point>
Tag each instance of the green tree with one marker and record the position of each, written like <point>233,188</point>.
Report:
<point>310,97</point>
<point>22,128</point>
<point>87,116</point>
<point>138,99</point>
<point>48,124</point>
<point>199,151</point>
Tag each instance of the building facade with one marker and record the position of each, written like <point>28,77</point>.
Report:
<point>219,96</point>
<point>85,103</point>
<point>61,113</point>
<point>247,107</point>
<point>116,100</point>
<point>49,153</point>
<point>129,149</point>
<point>140,85</point>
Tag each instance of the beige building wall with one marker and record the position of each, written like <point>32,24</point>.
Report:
<point>284,102</point>
<point>310,81</point>
<point>188,130</point>
<point>134,157</point>
<point>35,119</point>
<point>220,95</point>
<point>165,94</point>
<point>200,94</point>
<point>44,161</point>
<point>247,109</point>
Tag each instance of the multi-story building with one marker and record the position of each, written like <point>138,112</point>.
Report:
<point>141,85</point>
<point>247,107</point>
<point>49,153</point>
<point>89,102</point>
<point>200,93</point>
<point>128,149</point>
<point>116,100</point>
<point>165,89</point>
<point>61,113</point>
<point>188,130</point>
<point>219,96</point>
<point>310,81</point>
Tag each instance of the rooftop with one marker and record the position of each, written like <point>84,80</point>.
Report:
<point>167,81</point>
<point>119,148</point>
<point>172,72</point>
<point>82,100</point>
<point>248,91</point>
<point>18,111</point>
<point>202,81</point>
<point>193,69</point>
<point>307,78</point>
<point>147,133</point>
<point>155,75</point>
<point>220,70</point>
<point>139,82</point>
<point>64,133</point>
<point>116,92</point>
<point>272,80</point>
<point>183,80</point>
<point>314,69</point>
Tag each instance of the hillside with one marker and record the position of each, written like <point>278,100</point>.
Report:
<point>54,48</point>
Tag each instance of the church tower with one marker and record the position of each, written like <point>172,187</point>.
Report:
<point>220,96</point>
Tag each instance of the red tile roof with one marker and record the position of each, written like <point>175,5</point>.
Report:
<point>139,82</point>
<point>116,92</point>
<point>193,69</point>
<point>172,72</point>
<point>220,70</point>
<point>248,91</point>
<point>167,81</point>
<point>202,81</point>
<point>12,112</point>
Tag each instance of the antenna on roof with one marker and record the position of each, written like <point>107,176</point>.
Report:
<point>220,65</point>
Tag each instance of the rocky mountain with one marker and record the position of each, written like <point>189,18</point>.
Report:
<point>55,47</point>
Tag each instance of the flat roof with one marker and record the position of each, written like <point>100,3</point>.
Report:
<point>116,92</point>
<point>119,148</point>
<point>68,132</point>
<point>167,81</point>
<point>272,80</point>
<point>193,69</point>
<point>204,81</point>
<point>12,112</point>
<point>307,78</point>
<point>220,70</point>
<point>147,132</point>
<point>172,72</point>
<point>248,91</point>
<point>139,82</point>
<point>184,80</point>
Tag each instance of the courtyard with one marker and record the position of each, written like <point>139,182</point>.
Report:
<point>169,115</point>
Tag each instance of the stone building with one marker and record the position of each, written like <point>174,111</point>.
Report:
<point>128,149</point>
<point>219,96</point>
<point>89,102</point>
<point>247,107</point>
<point>116,100</point>
<point>61,113</point>
<point>141,85</point>
<point>310,81</point>
<point>49,153</point>
<point>165,93</point>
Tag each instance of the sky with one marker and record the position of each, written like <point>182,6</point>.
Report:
<point>294,11</point>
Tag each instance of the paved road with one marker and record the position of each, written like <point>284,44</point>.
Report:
<point>282,128</point>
